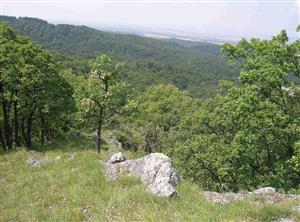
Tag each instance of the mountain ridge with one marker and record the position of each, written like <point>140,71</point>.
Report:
<point>148,61</point>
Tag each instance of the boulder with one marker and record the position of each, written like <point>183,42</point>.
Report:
<point>155,170</point>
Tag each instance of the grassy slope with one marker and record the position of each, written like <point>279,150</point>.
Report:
<point>76,190</point>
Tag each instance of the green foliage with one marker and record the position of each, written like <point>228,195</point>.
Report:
<point>100,95</point>
<point>130,136</point>
<point>248,134</point>
<point>156,114</point>
<point>206,158</point>
<point>35,99</point>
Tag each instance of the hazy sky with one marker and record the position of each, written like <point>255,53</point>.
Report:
<point>219,17</point>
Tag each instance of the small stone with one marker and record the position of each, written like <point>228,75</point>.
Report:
<point>35,162</point>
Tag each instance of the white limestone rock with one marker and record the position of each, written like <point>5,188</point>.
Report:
<point>155,170</point>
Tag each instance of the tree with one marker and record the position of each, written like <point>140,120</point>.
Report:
<point>100,95</point>
<point>9,61</point>
<point>254,128</point>
<point>158,111</point>
<point>30,88</point>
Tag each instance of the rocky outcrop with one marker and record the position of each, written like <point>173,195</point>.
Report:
<point>155,170</point>
<point>223,198</point>
<point>259,196</point>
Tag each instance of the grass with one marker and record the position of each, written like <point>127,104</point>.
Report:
<point>76,190</point>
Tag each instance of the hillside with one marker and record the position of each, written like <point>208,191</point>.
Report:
<point>195,67</point>
<point>200,47</point>
<point>72,187</point>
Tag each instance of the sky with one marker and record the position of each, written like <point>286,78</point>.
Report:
<point>229,17</point>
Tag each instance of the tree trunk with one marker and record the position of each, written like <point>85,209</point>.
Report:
<point>98,139</point>
<point>99,129</point>
<point>28,141</point>
<point>6,124</point>
<point>48,135</point>
<point>42,129</point>
<point>16,123</point>
<point>23,130</point>
<point>2,140</point>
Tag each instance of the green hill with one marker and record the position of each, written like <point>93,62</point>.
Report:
<point>195,67</point>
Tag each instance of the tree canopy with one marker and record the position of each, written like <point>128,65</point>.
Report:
<point>250,134</point>
<point>35,99</point>
<point>195,67</point>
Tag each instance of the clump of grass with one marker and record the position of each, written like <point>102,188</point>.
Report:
<point>75,189</point>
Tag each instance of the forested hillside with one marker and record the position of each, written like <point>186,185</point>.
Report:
<point>195,67</point>
<point>252,128</point>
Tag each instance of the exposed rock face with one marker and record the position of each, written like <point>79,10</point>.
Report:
<point>155,170</point>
